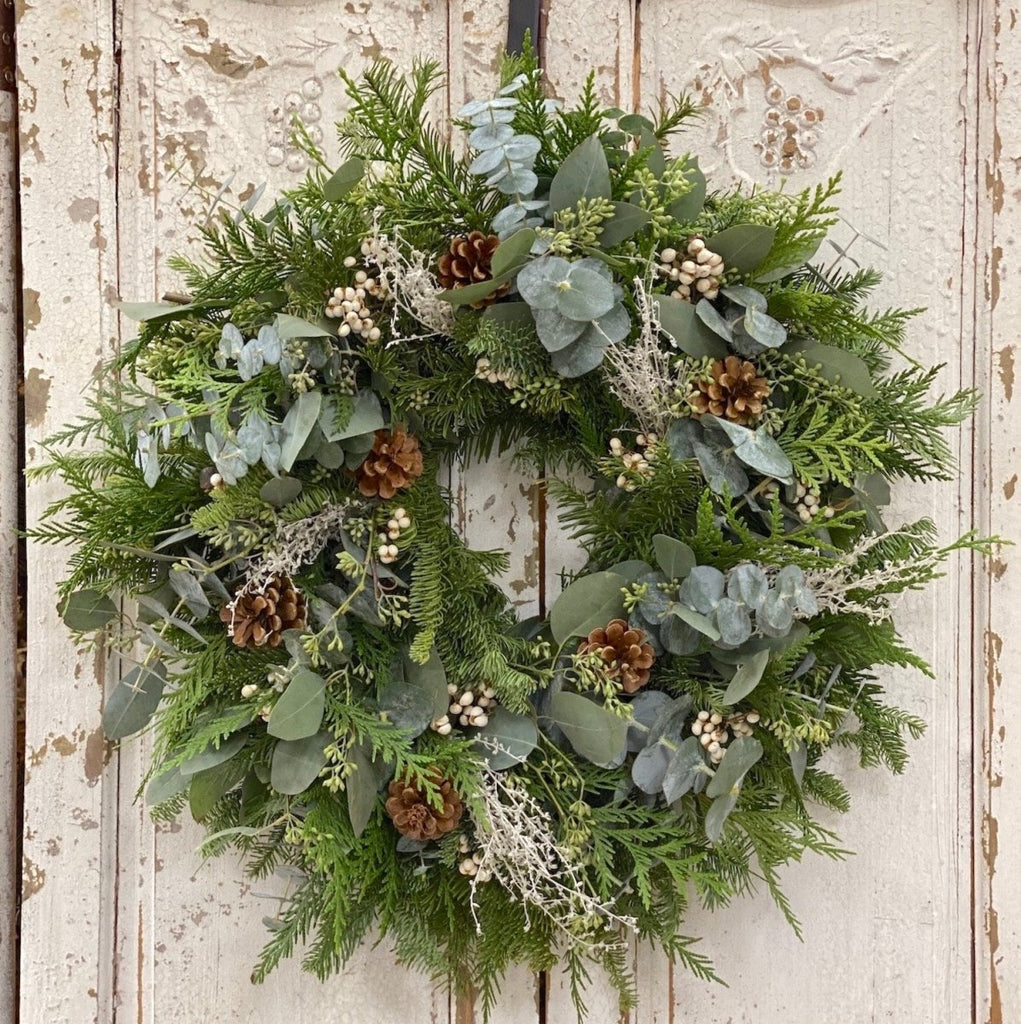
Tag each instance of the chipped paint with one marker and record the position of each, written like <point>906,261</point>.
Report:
<point>1006,370</point>
<point>37,397</point>
<point>1008,487</point>
<point>31,313</point>
<point>33,878</point>
<point>225,61</point>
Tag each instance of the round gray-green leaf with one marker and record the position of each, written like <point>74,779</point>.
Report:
<point>297,763</point>
<point>280,490</point>
<point>584,174</point>
<point>133,700</point>
<point>675,558</point>
<point>587,604</point>
<point>649,768</point>
<point>587,295</point>
<point>684,768</point>
<point>299,711</point>
<point>86,610</point>
<point>213,755</point>
<point>595,733</point>
<point>744,246</point>
<point>747,677</point>
<point>507,739</point>
<point>702,588</point>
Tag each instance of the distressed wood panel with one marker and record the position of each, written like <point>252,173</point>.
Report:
<point>797,93</point>
<point>120,919</point>
<point>68,180</point>
<point>9,593</point>
<point>993,189</point>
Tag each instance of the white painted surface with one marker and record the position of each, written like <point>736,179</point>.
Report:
<point>120,921</point>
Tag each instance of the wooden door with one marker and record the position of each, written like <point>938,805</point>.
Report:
<point>134,114</point>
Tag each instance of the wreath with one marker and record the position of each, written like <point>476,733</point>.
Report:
<point>336,685</point>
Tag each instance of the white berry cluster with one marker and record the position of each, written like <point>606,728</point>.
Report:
<point>633,462</point>
<point>697,270</point>
<point>714,732</point>
<point>388,551</point>
<point>351,304</point>
<point>276,678</point>
<point>808,505</point>
<point>467,708</point>
<point>470,865</point>
<point>484,371</point>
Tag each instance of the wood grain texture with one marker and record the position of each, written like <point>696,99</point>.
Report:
<point>10,485</point>
<point>993,226</point>
<point>68,179</point>
<point>873,77</point>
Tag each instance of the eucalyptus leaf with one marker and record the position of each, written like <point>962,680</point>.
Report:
<point>512,252</point>
<point>696,620</point>
<point>596,734</point>
<point>365,419</point>
<point>207,787</point>
<point>164,312</point>
<point>289,327</point>
<point>689,206</point>
<point>716,816</point>
<point>677,317</point>
<point>685,766</point>
<point>472,292</point>
<point>733,621</point>
<point>702,587</point>
<point>431,677</point>
<point>298,424</point>
<point>742,295</point>
<point>763,328</point>
<point>296,764</point>
<point>649,767</point>
<point>408,706</point>
<point>188,588</point>
<point>741,757</point>
<point>587,603</point>
<point>133,700</point>
<point>837,365</point>
<point>799,761</point>
<point>746,678</point>
<point>580,357</point>
<point>631,569</point>
<point>675,558</point>
<point>627,219</point>
<point>213,755</point>
<point>557,331</point>
<point>709,315</point>
<point>507,739</point>
<point>646,707</point>
<point>678,637</point>
<point>584,174</point>
<point>280,490</point>
<point>165,786</point>
<point>299,711</point>
<point>343,180</point>
<point>86,610</point>
<point>743,246</point>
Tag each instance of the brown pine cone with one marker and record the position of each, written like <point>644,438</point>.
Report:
<point>415,817</point>
<point>259,620</point>
<point>394,464</point>
<point>469,261</point>
<point>626,656</point>
<point>735,392</point>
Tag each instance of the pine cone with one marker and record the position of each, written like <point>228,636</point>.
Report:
<point>735,392</point>
<point>469,261</point>
<point>394,464</point>
<point>259,620</point>
<point>415,817</point>
<point>628,659</point>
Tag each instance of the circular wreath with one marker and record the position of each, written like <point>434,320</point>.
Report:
<point>334,680</point>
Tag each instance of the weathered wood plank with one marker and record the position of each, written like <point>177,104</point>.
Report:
<point>207,92</point>
<point>67,78</point>
<point>993,224</point>
<point>10,485</point>
<point>860,87</point>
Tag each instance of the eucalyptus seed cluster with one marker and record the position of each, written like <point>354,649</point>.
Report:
<point>581,226</point>
<point>697,270</point>
<point>471,862</point>
<point>338,769</point>
<point>714,732</point>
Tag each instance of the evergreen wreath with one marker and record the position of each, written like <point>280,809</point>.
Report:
<point>336,686</point>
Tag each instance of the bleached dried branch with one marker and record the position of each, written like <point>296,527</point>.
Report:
<point>404,273</point>
<point>644,376</point>
<point>519,849</point>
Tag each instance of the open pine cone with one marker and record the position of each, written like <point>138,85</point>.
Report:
<point>394,464</point>
<point>259,620</point>
<point>735,391</point>
<point>415,817</point>
<point>469,261</point>
<point>626,657</point>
